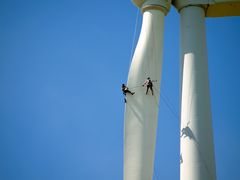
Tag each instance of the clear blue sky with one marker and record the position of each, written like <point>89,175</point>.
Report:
<point>61,108</point>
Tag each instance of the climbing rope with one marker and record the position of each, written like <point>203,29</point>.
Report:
<point>169,106</point>
<point>165,99</point>
<point>134,36</point>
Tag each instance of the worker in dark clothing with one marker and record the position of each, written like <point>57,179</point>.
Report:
<point>125,90</point>
<point>148,83</point>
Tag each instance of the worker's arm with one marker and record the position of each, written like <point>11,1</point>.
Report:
<point>145,83</point>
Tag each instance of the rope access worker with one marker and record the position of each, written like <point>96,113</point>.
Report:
<point>148,83</point>
<point>125,90</point>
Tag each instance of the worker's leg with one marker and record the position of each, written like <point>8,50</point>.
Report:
<point>147,89</point>
<point>151,89</point>
<point>127,91</point>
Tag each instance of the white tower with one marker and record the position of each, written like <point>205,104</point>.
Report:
<point>141,110</point>
<point>197,148</point>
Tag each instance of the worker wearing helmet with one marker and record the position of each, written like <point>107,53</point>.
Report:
<point>148,83</point>
<point>125,90</point>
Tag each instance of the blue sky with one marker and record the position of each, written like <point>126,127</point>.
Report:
<point>61,108</point>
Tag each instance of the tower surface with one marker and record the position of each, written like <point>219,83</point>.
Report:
<point>141,109</point>
<point>196,143</point>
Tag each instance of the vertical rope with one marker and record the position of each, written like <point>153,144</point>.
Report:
<point>134,36</point>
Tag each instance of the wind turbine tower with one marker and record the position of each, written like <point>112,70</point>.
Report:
<point>141,110</point>
<point>196,143</point>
